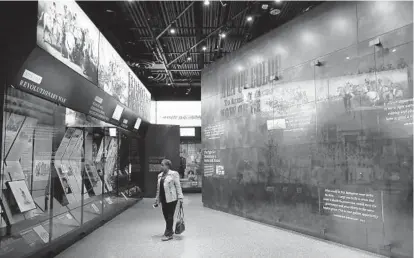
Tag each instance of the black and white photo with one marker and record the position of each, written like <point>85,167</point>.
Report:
<point>65,32</point>
<point>112,72</point>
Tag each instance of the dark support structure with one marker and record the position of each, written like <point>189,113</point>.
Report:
<point>220,39</point>
<point>136,9</point>
<point>208,36</point>
<point>175,20</point>
<point>199,31</point>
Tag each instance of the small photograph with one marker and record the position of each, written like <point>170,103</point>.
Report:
<point>66,187</point>
<point>66,32</point>
<point>22,195</point>
<point>41,170</point>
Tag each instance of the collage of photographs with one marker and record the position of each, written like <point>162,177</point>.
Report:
<point>64,31</point>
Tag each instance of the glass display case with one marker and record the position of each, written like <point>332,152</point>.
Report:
<point>190,165</point>
<point>60,170</point>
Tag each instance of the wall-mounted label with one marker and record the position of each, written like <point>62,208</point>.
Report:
<point>42,233</point>
<point>32,76</point>
<point>211,163</point>
<point>117,113</point>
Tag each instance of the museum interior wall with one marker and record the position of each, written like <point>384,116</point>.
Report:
<point>161,142</point>
<point>314,129</point>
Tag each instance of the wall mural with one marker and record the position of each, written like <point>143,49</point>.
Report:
<point>66,33</point>
<point>112,72</point>
<point>329,155</point>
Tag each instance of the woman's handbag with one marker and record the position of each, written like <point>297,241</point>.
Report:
<point>179,225</point>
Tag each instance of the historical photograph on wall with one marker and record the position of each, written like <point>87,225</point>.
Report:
<point>22,195</point>
<point>112,72</point>
<point>139,97</point>
<point>65,32</point>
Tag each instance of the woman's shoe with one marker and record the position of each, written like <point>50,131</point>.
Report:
<point>167,238</point>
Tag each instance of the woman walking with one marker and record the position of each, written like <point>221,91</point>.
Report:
<point>169,192</point>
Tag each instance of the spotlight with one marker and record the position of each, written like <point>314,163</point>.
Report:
<point>347,58</point>
<point>249,18</point>
<point>222,35</point>
<point>394,50</point>
<point>278,1</point>
<point>189,58</point>
<point>172,31</point>
<point>275,11</point>
<point>150,77</point>
<point>204,48</point>
<point>206,2</point>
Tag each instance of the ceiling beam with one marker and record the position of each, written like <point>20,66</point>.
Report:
<point>175,20</point>
<point>185,70</point>
<point>231,37</point>
<point>179,53</point>
<point>199,30</point>
<point>220,40</point>
<point>135,8</point>
<point>209,35</point>
<point>184,27</point>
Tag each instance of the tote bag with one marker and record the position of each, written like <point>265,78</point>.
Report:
<point>179,225</point>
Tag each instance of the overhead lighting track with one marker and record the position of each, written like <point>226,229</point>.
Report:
<point>209,35</point>
<point>175,20</point>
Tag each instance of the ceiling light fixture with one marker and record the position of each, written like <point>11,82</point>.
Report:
<point>206,2</point>
<point>394,50</point>
<point>275,11</point>
<point>150,77</point>
<point>204,48</point>
<point>222,35</point>
<point>188,58</point>
<point>249,18</point>
<point>278,1</point>
<point>109,11</point>
<point>265,6</point>
<point>347,58</point>
<point>172,31</point>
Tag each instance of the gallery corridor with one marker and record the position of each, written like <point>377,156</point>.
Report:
<point>137,233</point>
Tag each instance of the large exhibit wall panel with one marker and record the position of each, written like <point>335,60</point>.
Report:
<point>161,142</point>
<point>310,127</point>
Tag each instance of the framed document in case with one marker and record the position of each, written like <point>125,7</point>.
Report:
<point>22,195</point>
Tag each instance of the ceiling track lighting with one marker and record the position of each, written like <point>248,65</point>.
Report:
<point>173,28</point>
<point>188,57</point>
<point>275,11</point>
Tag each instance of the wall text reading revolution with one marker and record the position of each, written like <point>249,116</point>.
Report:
<point>27,85</point>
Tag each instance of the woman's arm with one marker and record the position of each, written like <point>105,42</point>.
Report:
<point>157,195</point>
<point>178,186</point>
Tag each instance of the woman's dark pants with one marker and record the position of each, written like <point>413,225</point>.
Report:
<point>168,209</point>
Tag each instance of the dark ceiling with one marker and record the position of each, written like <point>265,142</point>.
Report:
<point>170,64</point>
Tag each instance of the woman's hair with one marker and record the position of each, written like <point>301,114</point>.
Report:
<point>167,163</point>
